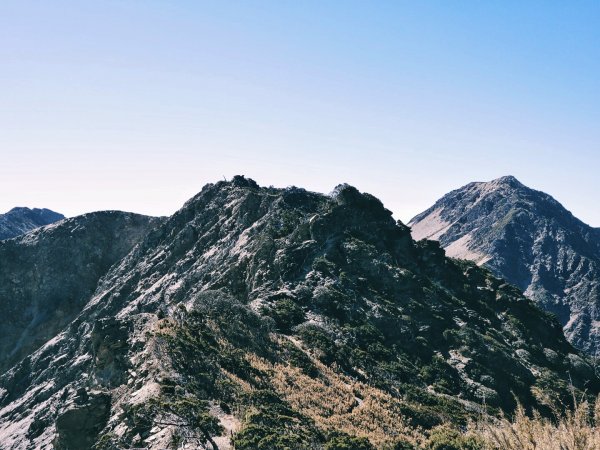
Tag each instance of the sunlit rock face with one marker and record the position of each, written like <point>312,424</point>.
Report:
<point>531,240</point>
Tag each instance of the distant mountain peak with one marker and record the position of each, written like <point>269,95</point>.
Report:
<point>38,211</point>
<point>20,220</point>
<point>509,180</point>
<point>507,183</point>
<point>242,181</point>
<point>528,238</point>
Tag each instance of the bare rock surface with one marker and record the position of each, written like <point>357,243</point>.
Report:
<point>21,220</point>
<point>531,240</point>
<point>48,275</point>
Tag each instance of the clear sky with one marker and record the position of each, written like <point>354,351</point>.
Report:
<point>135,105</point>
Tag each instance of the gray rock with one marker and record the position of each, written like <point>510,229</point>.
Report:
<point>48,275</point>
<point>531,240</point>
<point>20,220</point>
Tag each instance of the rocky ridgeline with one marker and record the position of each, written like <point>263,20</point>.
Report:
<point>531,240</point>
<point>22,220</point>
<point>280,318</point>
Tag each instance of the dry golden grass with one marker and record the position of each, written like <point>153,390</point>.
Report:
<point>577,429</point>
<point>244,385</point>
<point>336,402</point>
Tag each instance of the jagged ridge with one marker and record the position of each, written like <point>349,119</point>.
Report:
<point>290,319</point>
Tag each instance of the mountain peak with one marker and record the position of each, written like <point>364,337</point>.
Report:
<point>242,181</point>
<point>528,238</point>
<point>42,212</point>
<point>507,180</point>
<point>20,220</point>
<point>507,183</point>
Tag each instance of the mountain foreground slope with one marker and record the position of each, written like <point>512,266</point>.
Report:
<point>20,220</point>
<point>279,318</point>
<point>531,240</point>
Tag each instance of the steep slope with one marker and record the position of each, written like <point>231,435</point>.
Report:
<point>48,275</point>
<point>531,240</point>
<point>280,318</point>
<point>19,221</point>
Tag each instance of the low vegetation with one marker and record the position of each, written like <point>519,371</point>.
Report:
<point>572,429</point>
<point>289,394</point>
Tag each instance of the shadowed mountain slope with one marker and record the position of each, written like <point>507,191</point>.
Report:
<point>48,275</point>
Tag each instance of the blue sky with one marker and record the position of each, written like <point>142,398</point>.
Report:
<point>135,105</point>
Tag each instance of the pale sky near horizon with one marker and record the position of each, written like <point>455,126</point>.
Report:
<point>135,105</point>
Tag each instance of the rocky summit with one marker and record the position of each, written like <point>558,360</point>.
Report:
<point>531,240</point>
<point>266,318</point>
<point>21,220</point>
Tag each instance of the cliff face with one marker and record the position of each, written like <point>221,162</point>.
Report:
<point>531,240</point>
<point>280,318</point>
<point>21,220</point>
<point>48,275</point>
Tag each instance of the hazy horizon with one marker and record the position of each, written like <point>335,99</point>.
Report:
<point>135,106</point>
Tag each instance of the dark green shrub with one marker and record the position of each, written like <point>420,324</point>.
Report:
<point>403,445</point>
<point>317,338</point>
<point>272,425</point>
<point>345,442</point>
<point>286,314</point>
